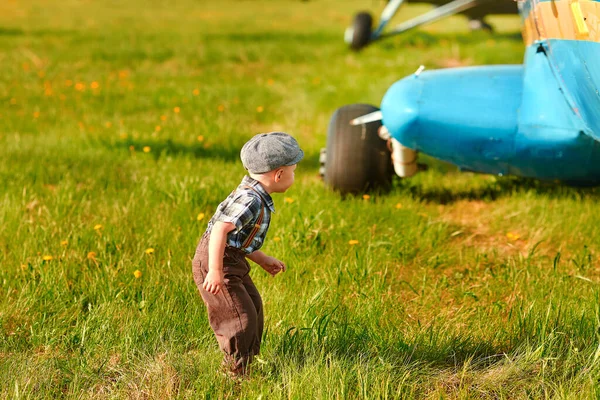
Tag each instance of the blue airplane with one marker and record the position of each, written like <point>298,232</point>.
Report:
<point>539,120</point>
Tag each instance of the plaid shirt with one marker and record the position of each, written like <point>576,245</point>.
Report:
<point>242,208</point>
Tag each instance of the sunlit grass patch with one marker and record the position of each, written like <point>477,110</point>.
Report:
<point>120,133</point>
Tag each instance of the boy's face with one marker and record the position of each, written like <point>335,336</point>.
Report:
<point>284,177</point>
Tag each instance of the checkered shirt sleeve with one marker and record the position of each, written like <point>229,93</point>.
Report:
<point>242,209</point>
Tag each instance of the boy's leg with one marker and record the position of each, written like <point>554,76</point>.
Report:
<point>231,313</point>
<point>233,318</point>
<point>258,305</point>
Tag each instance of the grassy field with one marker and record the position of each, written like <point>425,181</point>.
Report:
<point>120,127</point>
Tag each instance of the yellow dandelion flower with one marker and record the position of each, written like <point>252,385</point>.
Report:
<point>513,236</point>
<point>64,243</point>
<point>288,200</point>
<point>352,242</point>
<point>123,135</point>
<point>98,227</point>
<point>196,92</point>
<point>398,206</point>
<point>36,114</point>
<point>150,250</point>
<point>146,149</point>
<point>80,86</point>
<point>47,258</point>
<point>221,108</point>
<point>137,273</point>
<point>200,217</point>
<point>201,138</point>
<point>277,239</point>
<point>163,117</point>
<point>25,67</point>
<point>270,82</point>
<point>123,74</point>
<point>260,109</point>
<point>91,255</point>
<point>366,197</point>
<point>157,128</point>
<point>94,85</point>
<point>176,110</point>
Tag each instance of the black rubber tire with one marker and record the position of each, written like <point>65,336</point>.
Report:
<point>362,29</point>
<point>357,159</point>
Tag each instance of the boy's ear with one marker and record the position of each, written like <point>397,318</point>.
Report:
<point>277,176</point>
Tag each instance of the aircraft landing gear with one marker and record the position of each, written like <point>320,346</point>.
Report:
<point>480,25</point>
<point>356,159</point>
<point>359,34</point>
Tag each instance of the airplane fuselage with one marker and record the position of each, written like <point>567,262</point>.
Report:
<point>540,119</point>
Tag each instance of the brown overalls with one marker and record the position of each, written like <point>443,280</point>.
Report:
<point>235,313</point>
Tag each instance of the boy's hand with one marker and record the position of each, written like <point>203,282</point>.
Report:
<point>214,281</point>
<point>272,265</point>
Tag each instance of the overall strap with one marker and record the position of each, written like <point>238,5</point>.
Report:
<point>259,220</point>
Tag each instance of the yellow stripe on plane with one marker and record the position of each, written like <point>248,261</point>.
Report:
<point>563,19</point>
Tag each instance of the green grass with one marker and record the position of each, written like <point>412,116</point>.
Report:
<point>460,286</point>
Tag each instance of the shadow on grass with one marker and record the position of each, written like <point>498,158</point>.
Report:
<point>272,37</point>
<point>162,148</point>
<point>11,32</point>
<point>349,343</point>
<point>489,191</point>
<point>496,189</point>
<point>228,153</point>
<point>36,32</point>
<point>426,39</point>
<point>432,348</point>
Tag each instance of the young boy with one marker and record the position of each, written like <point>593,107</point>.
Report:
<point>236,232</point>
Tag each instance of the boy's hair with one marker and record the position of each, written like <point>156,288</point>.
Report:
<point>268,151</point>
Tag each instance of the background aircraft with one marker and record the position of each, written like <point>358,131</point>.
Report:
<point>539,120</point>
<point>361,33</point>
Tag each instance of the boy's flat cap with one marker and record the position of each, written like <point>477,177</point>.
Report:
<point>268,151</point>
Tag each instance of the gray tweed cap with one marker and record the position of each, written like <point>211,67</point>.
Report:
<point>268,151</point>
